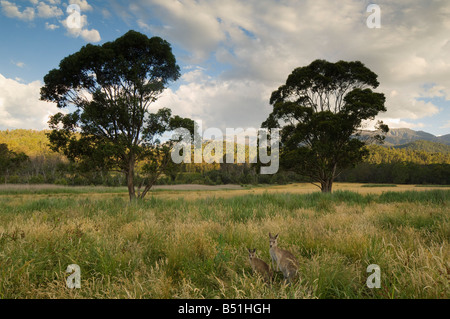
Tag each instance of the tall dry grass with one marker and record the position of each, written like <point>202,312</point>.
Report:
<point>178,248</point>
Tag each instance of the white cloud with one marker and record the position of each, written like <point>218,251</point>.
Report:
<point>106,13</point>
<point>84,5</point>
<point>392,123</point>
<point>20,106</point>
<point>46,11</point>
<point>190,24</point>
<point>218,103</point>
<point>18,64</point>
<point>398,123</point>
<point>50,26</point>
<point>143,25</point>
<point>13,11</point>
<point>91,35</point>
<point>405,102</point>
<point>51,10</point>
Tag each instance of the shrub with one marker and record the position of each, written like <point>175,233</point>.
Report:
<point>61,181</point>
<point>36,179</point>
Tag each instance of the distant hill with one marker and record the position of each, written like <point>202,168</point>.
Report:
<point>427,146</point>
<point>445,139</point>
<point>35,143</point>
<point>401,136</point>
<point>31,142</point>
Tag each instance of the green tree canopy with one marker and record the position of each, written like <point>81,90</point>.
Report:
<point>320,110</point>
<point>110,88</point>
<point>9,160</point>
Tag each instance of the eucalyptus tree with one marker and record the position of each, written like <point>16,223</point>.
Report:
<point>106,91</point>
<point>320,111</point>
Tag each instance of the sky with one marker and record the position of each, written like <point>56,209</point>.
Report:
<point>233,54</point>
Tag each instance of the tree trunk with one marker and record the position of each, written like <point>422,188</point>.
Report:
<point>326,185</point>
<point>130,179</point>
<point>146,189</point>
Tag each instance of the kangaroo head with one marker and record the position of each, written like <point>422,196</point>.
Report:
<point>251,253</point>
<point>273,240</point>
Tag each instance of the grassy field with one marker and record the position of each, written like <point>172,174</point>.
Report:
<point>182,243</point>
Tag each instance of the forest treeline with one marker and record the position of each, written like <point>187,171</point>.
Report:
<point>25,157</point>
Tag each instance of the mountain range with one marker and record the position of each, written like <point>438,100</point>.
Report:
<point>400,136</point>
<point>405,138</point>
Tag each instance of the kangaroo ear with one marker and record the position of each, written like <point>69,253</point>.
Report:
<point>276,236</point>
<point>270,234</point>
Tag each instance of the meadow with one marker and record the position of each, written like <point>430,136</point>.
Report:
<point>193,243</point>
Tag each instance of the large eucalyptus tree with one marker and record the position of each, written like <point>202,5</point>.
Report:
<point>320,110</point>
<point>107,91</point>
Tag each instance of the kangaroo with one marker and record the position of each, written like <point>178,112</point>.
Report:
<point>259,266</point>
<point>285,260</point>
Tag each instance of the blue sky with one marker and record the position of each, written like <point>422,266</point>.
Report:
<point>234,53</point>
